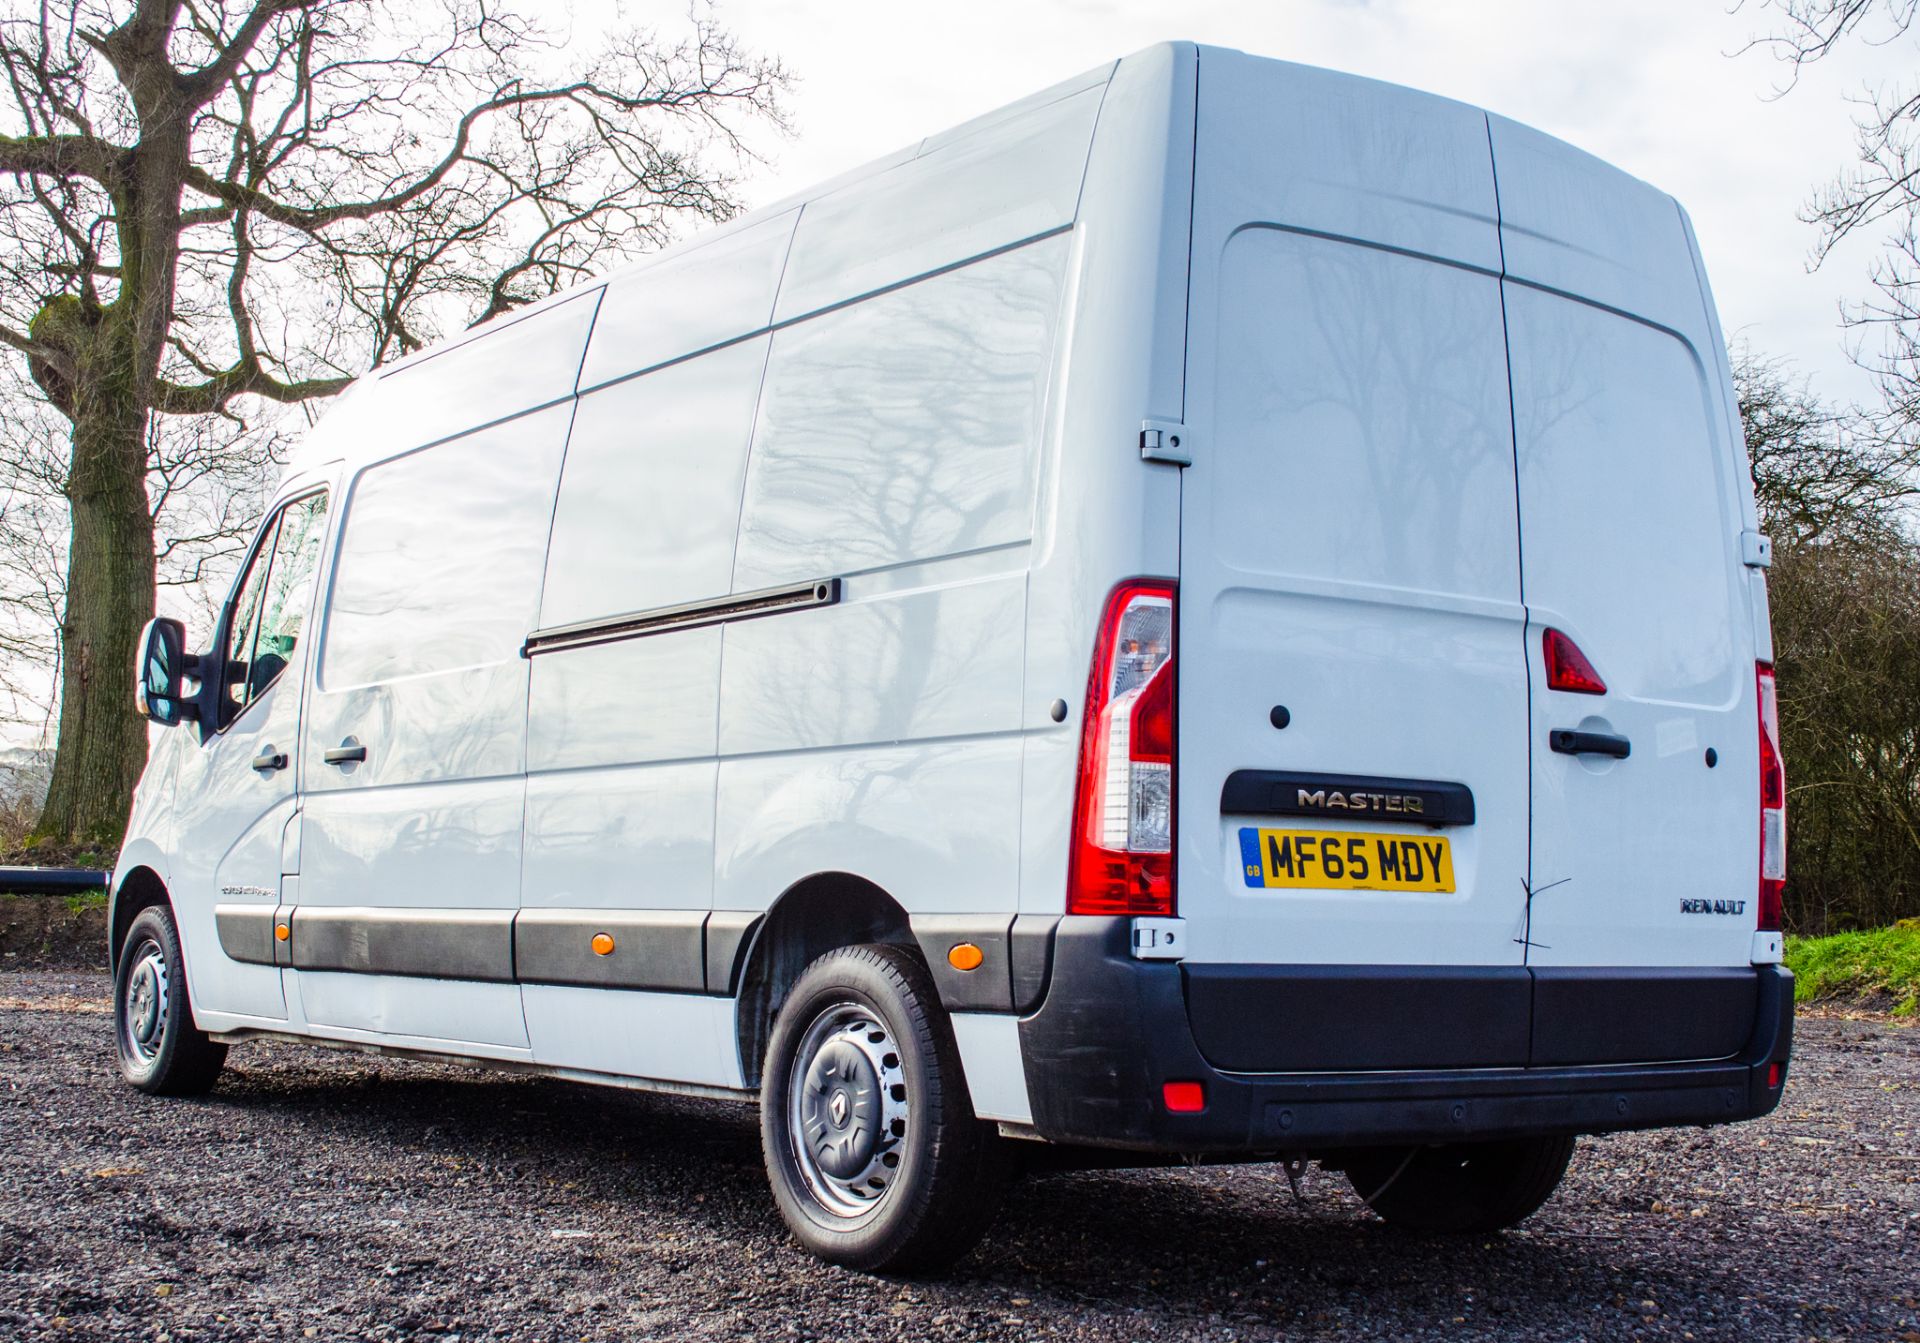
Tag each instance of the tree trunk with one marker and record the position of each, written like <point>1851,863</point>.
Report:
<point>110,595</point>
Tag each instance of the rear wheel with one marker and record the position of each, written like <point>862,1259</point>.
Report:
<point>872,1148</point>
<point>161,1051</point>
<point>1460,1187</point>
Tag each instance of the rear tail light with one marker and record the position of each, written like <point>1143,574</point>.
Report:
<point>1122,856</point>
<point>1773,805</point>
<point>1567,666</point>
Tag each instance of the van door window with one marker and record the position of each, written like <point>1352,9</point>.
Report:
<point>289,590</point>
<point>244,625</point>
<point>275,596</point>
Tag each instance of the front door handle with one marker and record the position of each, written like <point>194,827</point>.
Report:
<point>345,753</point>
<point>270,759</point>
<point>1567,741</point>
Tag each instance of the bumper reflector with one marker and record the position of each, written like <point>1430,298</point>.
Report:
<point>1184,1098</point>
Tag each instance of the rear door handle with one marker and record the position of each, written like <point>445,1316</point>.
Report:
<point>344,755</point>
<point>270,759</point>
<point>1567,741</point>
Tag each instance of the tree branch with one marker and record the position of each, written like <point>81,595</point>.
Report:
<point>246,378</point>
<point>63,156</point>
<point>205,83</point>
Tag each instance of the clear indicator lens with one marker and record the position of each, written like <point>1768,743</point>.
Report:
<point>1143,644</point>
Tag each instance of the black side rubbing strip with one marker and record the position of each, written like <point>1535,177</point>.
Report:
<point>1276,792</point>
<point>690,615</point>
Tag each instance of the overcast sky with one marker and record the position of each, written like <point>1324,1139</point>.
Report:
<point>1651,85</point>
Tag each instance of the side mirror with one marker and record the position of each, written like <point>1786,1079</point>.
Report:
<point>164,666</point>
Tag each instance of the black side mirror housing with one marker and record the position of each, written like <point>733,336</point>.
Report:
<point>159,688</point>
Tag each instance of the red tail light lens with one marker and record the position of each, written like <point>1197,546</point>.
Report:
<point>1568,668</point>
<point>1773,805</point>
<point>1122,856</point>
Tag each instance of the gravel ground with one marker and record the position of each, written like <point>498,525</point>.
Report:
<point>327,1195</point>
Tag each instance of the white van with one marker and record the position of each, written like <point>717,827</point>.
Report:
<point>1213,612</point>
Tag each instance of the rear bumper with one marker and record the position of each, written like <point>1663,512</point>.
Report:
<point>1112,1030</point>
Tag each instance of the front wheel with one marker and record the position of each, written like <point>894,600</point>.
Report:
<point>1460,1187</point>
<point>161,1051</point>
<point>872,1148</point>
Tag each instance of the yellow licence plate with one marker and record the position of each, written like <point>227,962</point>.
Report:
<point>1345,861</point>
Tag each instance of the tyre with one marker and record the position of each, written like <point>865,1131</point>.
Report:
<point>1460,1187</point>
<point>161,1051</point>
<point>872,1148</point>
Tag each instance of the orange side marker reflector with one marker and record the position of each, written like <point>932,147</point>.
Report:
<point>965,956</point>
<point>602,945</point>
<point>281,932</point>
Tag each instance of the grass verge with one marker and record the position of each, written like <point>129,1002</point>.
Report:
<point>1875,966</point>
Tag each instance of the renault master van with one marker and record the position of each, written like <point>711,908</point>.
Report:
<point>1212,613</point>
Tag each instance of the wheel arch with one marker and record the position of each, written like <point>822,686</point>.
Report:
<point>818,914</point>
<point>141,888</point>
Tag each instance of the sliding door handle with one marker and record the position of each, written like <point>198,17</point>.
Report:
<point>1567,741</point>
<point>346,753</point>
<point>270,759</point>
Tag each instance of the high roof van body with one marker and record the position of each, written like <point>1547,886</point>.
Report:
<point>1214,611</point>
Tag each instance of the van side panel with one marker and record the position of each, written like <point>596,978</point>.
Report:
<point>501,372</point>
<point>621,735</point>
<point>434,585</point>
<point>1100,513</point>
<point>896,450</point>
<point>969,193</point>
<point>696,298</point>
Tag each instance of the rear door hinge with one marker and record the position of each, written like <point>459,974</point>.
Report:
<point>1159,939</point>
<point>1756,551</point>
<point>1165,441</point>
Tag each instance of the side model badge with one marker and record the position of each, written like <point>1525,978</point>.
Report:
<point>1713,906</point>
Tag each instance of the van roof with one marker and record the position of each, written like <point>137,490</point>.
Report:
<point>319,448</point>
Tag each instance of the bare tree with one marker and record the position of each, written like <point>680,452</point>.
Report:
<point>1845,597</point>
<point>1879,193</point>
<point>1819,473</point>
<point>208,206</point>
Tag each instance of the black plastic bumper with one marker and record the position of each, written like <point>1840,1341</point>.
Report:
<point>1113,1030</point>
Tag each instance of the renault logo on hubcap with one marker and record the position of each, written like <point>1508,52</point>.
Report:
<point>837,1107</point>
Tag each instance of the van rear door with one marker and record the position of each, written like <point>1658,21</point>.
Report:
<point>1631,511</point>
<point>1352,790</point>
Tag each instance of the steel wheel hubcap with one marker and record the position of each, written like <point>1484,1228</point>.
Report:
<point>848,1110</point>
<point>144,1012</point>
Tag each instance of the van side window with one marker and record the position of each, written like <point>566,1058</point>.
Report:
<point>440,559</point>
<point>289,590</point>
<point>244,626</point>
<point>274,599</point>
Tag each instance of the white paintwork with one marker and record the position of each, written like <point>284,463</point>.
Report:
<point>651,488</point>
<point>962,196</point>
<point>990,1057</point>
<point>435,585</point>
<point>1629,537</point>
<point>699,296</point>
<point>670,1037</point>
<point>928,379</point>
<point>936,820</point>
<point>903,428</point>
<point>1349,541</point>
